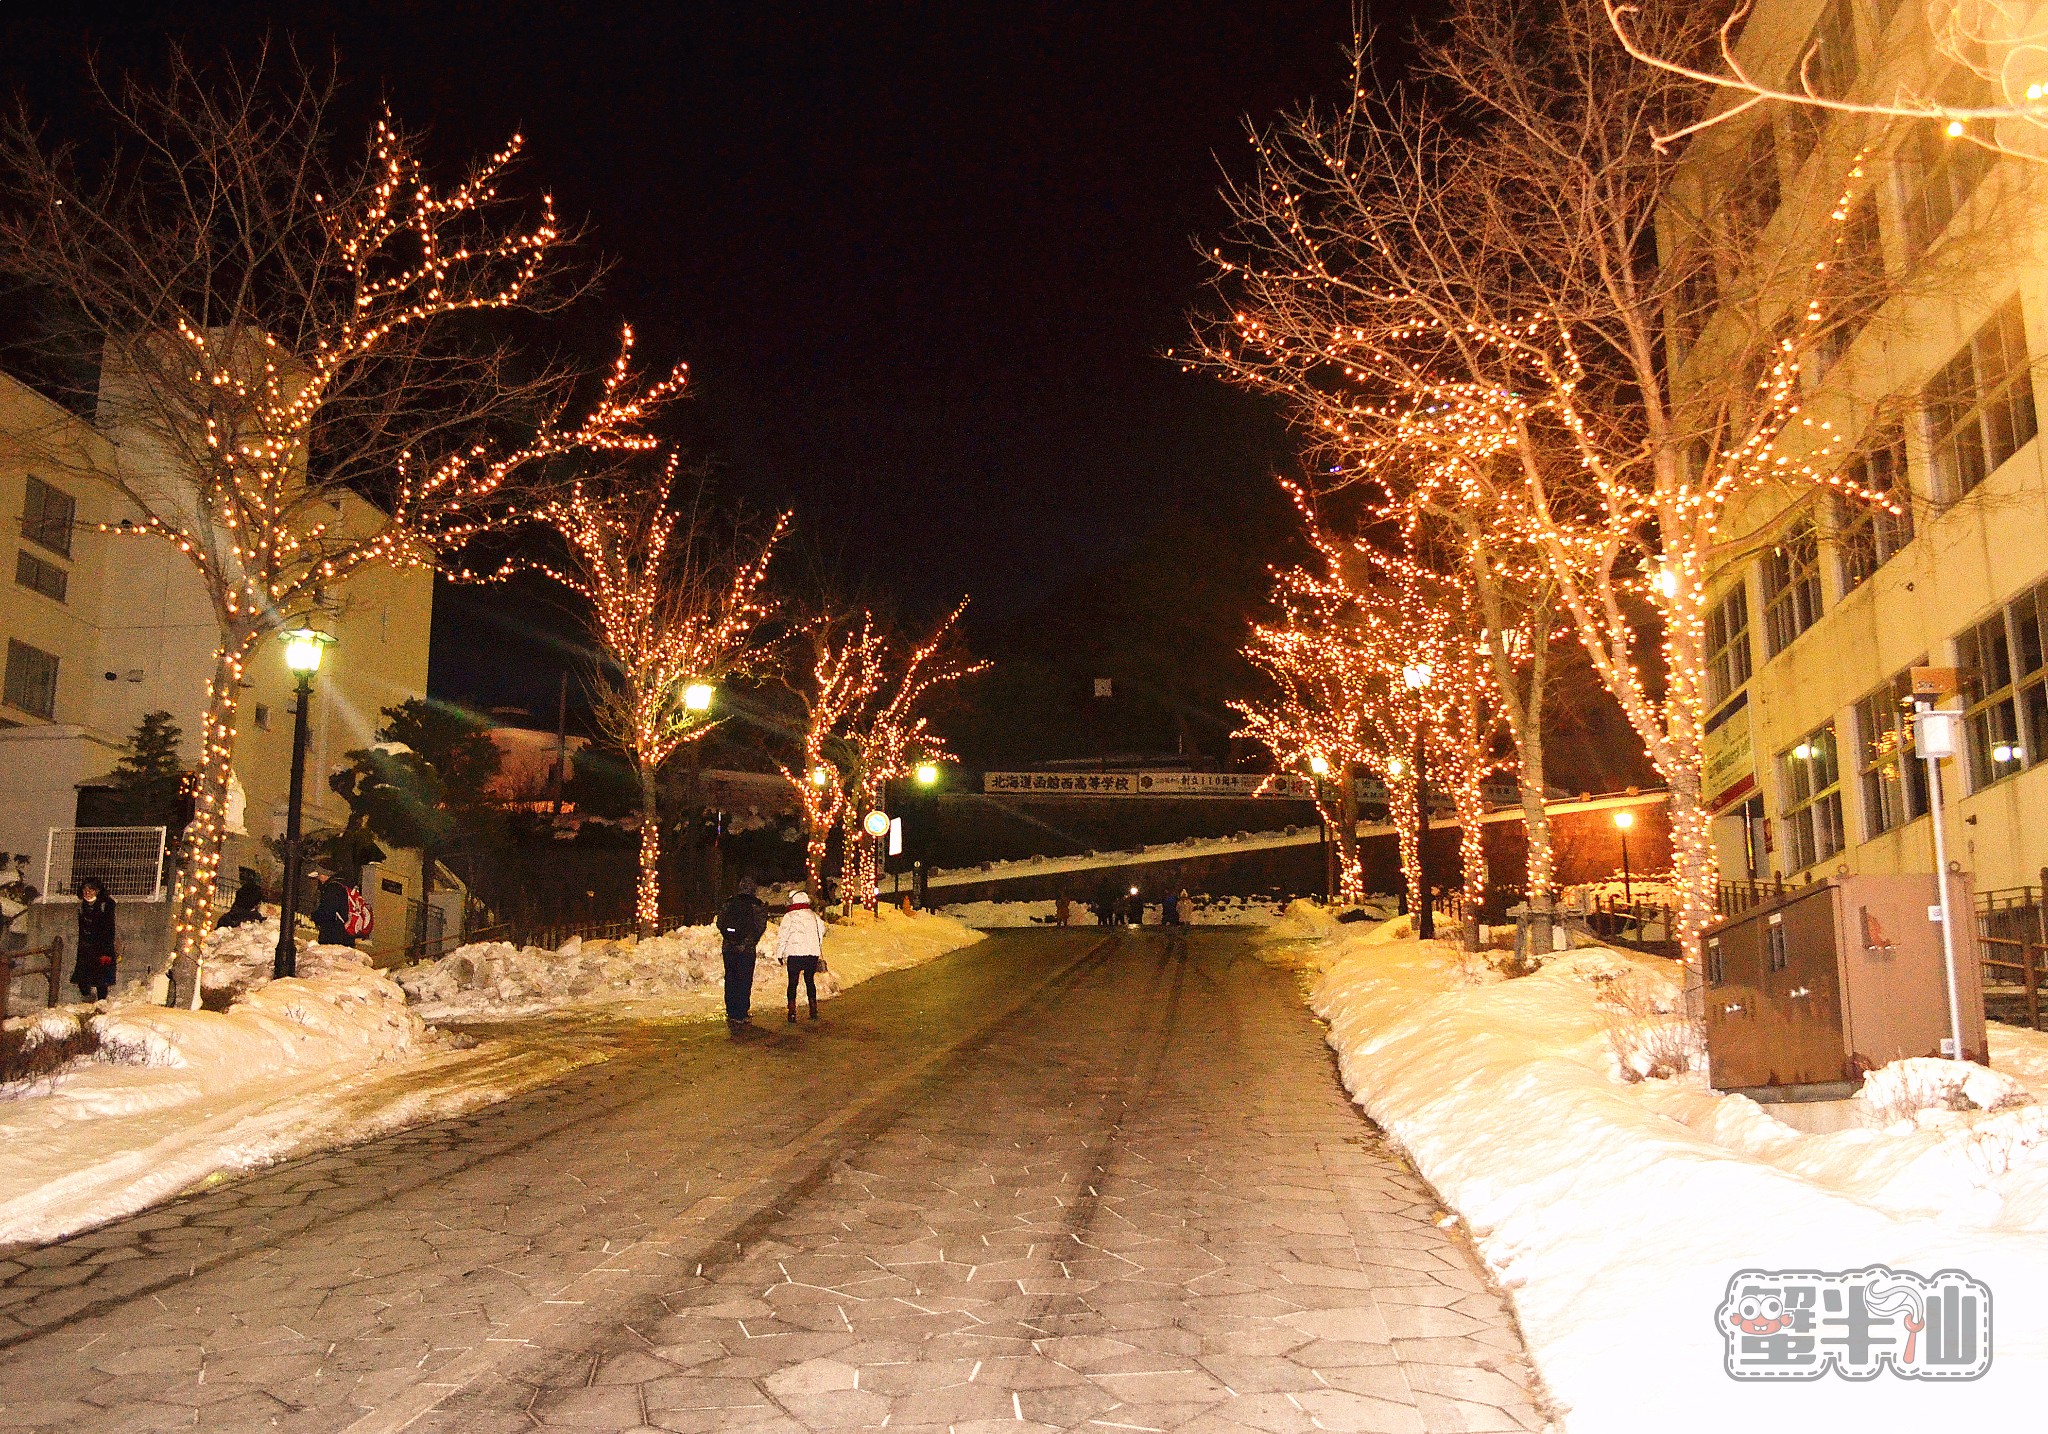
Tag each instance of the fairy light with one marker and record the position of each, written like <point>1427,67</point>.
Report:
<point>269,534</point>
<point>668,615</point>
<point>1443,387</point>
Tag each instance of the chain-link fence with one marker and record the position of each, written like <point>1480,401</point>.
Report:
<point>130,860</point>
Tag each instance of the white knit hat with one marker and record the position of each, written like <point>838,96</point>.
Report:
<point>799,898</point>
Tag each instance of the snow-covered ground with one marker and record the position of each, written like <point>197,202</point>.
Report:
<point>175,1096</point>
<point>1615,1211</point>
<point>680,974</point>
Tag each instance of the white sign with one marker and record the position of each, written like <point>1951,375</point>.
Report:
<point>875,823</point>
<point>1166,784</point>
<point>895,836</point>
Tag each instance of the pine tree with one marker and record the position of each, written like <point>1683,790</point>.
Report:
<point>147,778</point>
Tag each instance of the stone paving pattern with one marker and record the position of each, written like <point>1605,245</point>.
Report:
<point>1140,1201</point>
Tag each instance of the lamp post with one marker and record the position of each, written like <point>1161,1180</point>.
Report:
<point>1417,676</point>
<point>1623,820</point>
<point>303,647</point>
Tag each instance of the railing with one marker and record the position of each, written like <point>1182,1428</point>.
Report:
<point>2012,928</point>
<point>1732,898</point>
<point>1639,925</point>
<point>550,937</point>
<point>20,962</point>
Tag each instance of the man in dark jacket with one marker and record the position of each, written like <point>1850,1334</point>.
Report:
<point>330,917</point>
<point>740,924</point>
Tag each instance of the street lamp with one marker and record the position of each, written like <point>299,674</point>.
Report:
<point>1319,768</point>
<point>1417,676</point>
<point>303,648</point>
<point>927,774</point>
<point>697,697</point>
<point>820,777</point>
<point>1623,820</point>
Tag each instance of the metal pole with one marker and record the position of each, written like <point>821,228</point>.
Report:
<point>286,962</point>
<point>561,750</point>
<point>1948,940</point>
<point>1628,891</point>
<point>1425,919</point>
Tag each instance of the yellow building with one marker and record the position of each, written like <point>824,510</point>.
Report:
<point>100,628</point>
<point>1813,631</point>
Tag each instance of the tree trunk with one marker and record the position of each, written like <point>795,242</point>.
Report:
<point>1350,878</point>
<point>1404,808</point>
<point>199,853</point>
<point>647,896</point>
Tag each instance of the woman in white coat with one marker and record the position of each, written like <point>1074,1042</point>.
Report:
<point>800,943</point>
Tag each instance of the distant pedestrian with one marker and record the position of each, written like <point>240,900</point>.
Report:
<point>800,943</point>
<point>1105,903</point>
<point>93,971</point>
<point>1062,910</point>
<point>740,924</point>
<point>1134,907</point>
<point>1169,909</point>
<point>248,904</point>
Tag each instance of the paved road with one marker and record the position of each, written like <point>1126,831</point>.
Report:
<point>1050,1181</point>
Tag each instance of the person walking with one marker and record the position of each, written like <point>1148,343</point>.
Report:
<point>1169,908</point>
<point>331,912</point>
<point>740,924</point>
<point>93,972</point>
<point>1134,907</point>
<point>1062,910</point>
<point>800,943</point>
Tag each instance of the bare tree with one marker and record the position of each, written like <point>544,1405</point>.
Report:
<point>831,690</point>
<point>675,606</point>
<point>287,343</point>
<point>1468,309</point>
<point>891,734</point>
<point>1993,49</point>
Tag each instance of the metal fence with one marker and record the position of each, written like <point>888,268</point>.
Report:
<point>130,860</point>
<point>2015,950</point>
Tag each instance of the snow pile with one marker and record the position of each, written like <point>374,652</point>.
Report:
<point>495,979</point>
<point>1615,1212</point>
<point>241,958</point>
<point>164,1099</point>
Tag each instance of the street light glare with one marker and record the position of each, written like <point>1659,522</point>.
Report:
<point>819,776</point>
<point>303,647</point>
<point>1319,765</point>
<point>1417,675</point>
<point>927,774</point>
<point>1624,820</point>
<point>697,697</point>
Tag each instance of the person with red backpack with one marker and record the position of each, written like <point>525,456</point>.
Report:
<point>343,915</point>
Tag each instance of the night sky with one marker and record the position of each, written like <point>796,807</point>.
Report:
<point>924,261</point>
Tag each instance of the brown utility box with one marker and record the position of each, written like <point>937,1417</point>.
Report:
<point>1810,990</point>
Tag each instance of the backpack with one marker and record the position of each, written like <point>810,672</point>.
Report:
<point>360,920</point>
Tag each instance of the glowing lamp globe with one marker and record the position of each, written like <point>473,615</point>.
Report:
<point>697,697</point>
<point>1624,820</point>
<point>1417,675</point>
<point>303,647</point>
<point>1319,765</point>
<point>927,774</point>
<point>819,776</point>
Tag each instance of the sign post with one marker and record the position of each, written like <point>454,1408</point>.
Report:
<point>1934,737</point>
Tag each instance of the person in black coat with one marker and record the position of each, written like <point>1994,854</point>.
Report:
<point>248,905</point>
<point>330,916</point>
<point>93,972</point>
<point>740,924</point>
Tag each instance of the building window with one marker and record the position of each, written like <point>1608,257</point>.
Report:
<point>2006,718</point>
<point>1893,781</point>
<point>1810,797</point>
<point>1936,177</point>
<point>48,516</point>
<point>1694,300</point>
<point>38,576</point>
<point>31,680</point>
<point>1980,405</point>
<point>262,717</point>
<point>1728,657</point>
<point>1831,70</point>
<point>1869,536</point>
<point>1753,197</point>
<point>1791,579</point>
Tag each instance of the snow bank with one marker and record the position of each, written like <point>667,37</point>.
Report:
<point>154,1109</point>
<point>682,972</point>
<point>1616,1211</point>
